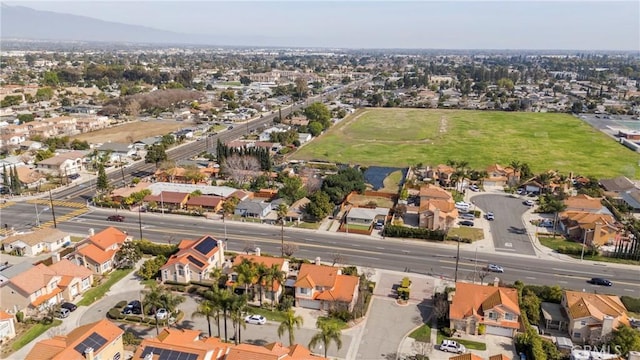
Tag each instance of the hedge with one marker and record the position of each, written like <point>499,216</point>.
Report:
<point>414,233</point>
<point>121,304</point>
<point>114,314</point>
<point>632,304</point>
<point>150,248</point>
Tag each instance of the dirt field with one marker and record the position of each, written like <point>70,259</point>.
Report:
<point>360,200</point>
<point>134,131</point>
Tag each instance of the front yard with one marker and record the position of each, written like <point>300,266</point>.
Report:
<point>469,344</point>
<point>94,294</point>
<point>25,334</point>
<point>574,249</point>
<point>464,232</point>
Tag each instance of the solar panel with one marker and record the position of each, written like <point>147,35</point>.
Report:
<point>94,341</point>
<point>205,246</point>
<point>195,261</point>
<point>166,354</point>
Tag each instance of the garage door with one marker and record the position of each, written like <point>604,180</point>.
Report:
<point>309,304</point>
<point>500,331</point>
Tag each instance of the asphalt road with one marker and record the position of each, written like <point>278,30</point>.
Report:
<point>24,216</point>
<point>508,231</point>
<point>392,254</point>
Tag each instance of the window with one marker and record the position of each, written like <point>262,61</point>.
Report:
<point>86,283</point>
<point>583,322</point>
<point>116,356</point>
<point>180,271</point>
<point>576,334</point>
<point>38,293</point>
<point>305,291</point>
<point>493,316</point>
<point>509,316</point>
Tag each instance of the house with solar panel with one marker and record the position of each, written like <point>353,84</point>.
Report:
<point>98,340</point>
<point>194,260</point>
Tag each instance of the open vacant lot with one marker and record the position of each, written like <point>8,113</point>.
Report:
<point>132,131</point>
<point>401,137</point>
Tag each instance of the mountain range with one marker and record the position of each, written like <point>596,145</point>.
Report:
<point>23,23</point>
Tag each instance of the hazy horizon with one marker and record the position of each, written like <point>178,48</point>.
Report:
<point>499,25</point>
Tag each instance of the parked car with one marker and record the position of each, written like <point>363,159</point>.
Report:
<point>466,223</point>
<point>452,347</point>
<point>73,176</point>
<point>255,319</point>
<point>133,307</point>
<point>495,268</point>
<point>162,314</point>
<point>118,218</point>
<point>474,188</point>
<point>62,313</point>
<point>529,202</point>
<point>468,216</point>
<point>521,191</point>
<point>600,281</point>
<point>69,306</point>
<point>490,216</point>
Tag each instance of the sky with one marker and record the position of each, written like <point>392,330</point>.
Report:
<point>453,24</point>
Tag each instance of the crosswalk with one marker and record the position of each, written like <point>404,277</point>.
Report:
<point>6,204</point>
<point>70,204</point>
<point>63,218</point>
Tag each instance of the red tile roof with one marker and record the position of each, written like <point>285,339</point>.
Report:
<point>108,237</point>
<point>473,300</point>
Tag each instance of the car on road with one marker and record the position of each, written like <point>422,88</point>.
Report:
<point>600,281</point>
<point>134,307</point>
<point>452,347</point>
<point>255,319</point>
<point>490,216</point>
<point>73,176</point>
<point>529,202</point>
<point>62,313</point>
<point>69,306</point>
<point>162,314</point>
<point>474,188</point>
<point>118,218</point>
<point>495,268</point>
<point>466,223</point>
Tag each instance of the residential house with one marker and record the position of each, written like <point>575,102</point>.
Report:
<point>366,216</point>
<point>36,242</point>
<point>185,175</point>
<point>168,200</point>
<point>29,178</point>
<point>98,340</point>
<point>147,142</point>
<point>493,306</point>
<point>270,291</point>
<point>631,198</point>
<point>585,203</point>
<point>205,203</point>
<point>466,356</point>
<point>585,219</point>
<point>442,173</point>
<point>182,343</point>
<point>7,326</point>
<point>194,261</point>
<point>323,287</point>
<point>253,209</point>
<point>117,151</point>
<point>40,286</point>
<point>31,145</point>
<point>592,317</point>
<point>296,211</point>
<point>119,194</point>
<point>97,252</point>
<point>9,271</point>
<point>304,138</point>
<point>499,176</point>
<point>87,124</point>
<point>273,351</point>
<point>63,164</point>
<point>437,209</point>
<point>617,185</point>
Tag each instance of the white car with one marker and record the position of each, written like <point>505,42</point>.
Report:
<point>529,202</point>
<point>162,314</point>
<point>490,216</point>
<point>495,268</point>
<point>255,319</point>
<point>452,347</point>
<point>474,188</point>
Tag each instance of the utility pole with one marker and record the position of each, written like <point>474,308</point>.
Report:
<point>475,267</point>
<point>121,169</point>
<point>53,212</point>
<point>140,221</point>
<point>457,259</point>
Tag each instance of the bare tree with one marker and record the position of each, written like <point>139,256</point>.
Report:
<point>132,108</point>
<point>314,181</point>
<point>422,349</point>
<point>249,247</point>
<point>241,168</point>
<point>338,258</point>
<point>440,306</point>
<point>290,248</point>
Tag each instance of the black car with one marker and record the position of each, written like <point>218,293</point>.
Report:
<point>600,281</point>
<point>73,176</point>
<point>134,307</point>
<point>118,218</point>
<point>69,306</point>
<point>466,223</point>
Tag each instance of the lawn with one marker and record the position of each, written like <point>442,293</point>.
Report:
<point>277,316</point>
<point>474,234</point>
<point>423,333</point>
<point>392,182</point>
<point>96,293</point>
<point>558,242</point>
<point>469,344</point>
<point>402,137</point>
<point>32,333</point>
<point>132,131</point>
<point>357,227</point>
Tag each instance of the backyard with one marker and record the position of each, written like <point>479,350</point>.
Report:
<point>361,200</point>
<point>403,137</point>
<point>132,131</point>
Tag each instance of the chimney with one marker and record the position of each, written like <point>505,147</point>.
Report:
<point>339,272</point>
<point>88,353</point>
<point>496,281</point>
<point>257,251</point>
<point>318,260</point>
<point>92,232</point>
<point>55,258</point>
<point>607,325</point>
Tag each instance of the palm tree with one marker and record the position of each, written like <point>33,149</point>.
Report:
<point>224,299</point>
<point>290,322</point>
<point>556,206</point>
<point>459,176</point>
<point>544,179</point>
<point>238,308</point>
<point>274,274</point>
<point>159,297</point>
<point>262,279</point>
<point>212,296</point>
<point>207,309</point>
<point>517,167</point>
<point>329,331</point>
<point>282,210</point>
<point>215,274</point>
<point>247,273</point>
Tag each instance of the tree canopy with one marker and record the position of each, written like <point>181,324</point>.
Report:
<point>339,185</point>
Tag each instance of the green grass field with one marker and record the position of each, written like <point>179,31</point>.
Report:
<point>401,137</point>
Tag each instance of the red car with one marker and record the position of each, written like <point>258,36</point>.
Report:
<point>118,218</point>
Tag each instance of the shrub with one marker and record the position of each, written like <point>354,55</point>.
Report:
<point>448,332</point>
<point>193,289</point>
<point>482,328</point>
<point>150,248</point>
<point>114,314</point>
<point>134,318</point>
<point>403,293</point>
<point>20,316</point>
<point>286,303</point>
<point>632,304</point>
<point>121,304</point>
<point>406,282</point>
<point>342,314</point>
<point>128,338</point>
<point>414,233</point>
<point>169,282</point>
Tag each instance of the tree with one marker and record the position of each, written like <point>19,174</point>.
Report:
<point>329,332</point>
<point>272,275</point>
<point>156,154</point>
<point>301,86</point>
<point>102,183</point>
<point>207,309</point>
<point>288,324</point>
<point>241,168</point>
<point>339,185</point>
<point>237,311</point>
<point>150,268</point>
<point>128,255</point>
<point>315,128</point>
<point>625,339</point>
<point>159,297</point>
<point>50,78</point>
<point>44,94</point>
<point>282,211</point>
<point>555,206</point>
<point>290,249</point>
<point>292,189</point>
<point>318,112</point>
<point>319,206</point>
<point>247,274</point>
<point>44,154</point>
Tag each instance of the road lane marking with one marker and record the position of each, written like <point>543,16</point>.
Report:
<point>573,271</point>
<point>630,290</point>
<point>530,278</point>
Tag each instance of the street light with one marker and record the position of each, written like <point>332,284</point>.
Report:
<point>38,213</point>
<point>457,259</point>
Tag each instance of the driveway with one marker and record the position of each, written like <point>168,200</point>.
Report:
<point>508,231</point>
<point>495,345</point>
